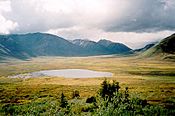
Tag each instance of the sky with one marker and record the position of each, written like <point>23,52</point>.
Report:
<point>132,22</point>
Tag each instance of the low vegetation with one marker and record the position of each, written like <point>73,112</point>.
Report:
<point>109,101</point>
<point>149,81</point>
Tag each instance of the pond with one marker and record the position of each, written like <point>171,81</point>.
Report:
<point>67,73</point>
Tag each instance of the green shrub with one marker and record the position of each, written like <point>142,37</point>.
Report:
<point>112,102</point>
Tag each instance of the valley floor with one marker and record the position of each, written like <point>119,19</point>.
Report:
<point>150,79</point>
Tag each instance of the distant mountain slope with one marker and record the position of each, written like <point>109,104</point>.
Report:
<point>24,46</point>
<point>164,49</point>
<point>102,46</point>
<point>146,47</point>
<point>37,44</point>
<point>4,50</point>
<point>91,47</point>
<point>105,42</point>
<point>115,48</point>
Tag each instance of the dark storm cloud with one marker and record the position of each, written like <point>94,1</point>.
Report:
<point>145,16</point>
<point>107,15</point>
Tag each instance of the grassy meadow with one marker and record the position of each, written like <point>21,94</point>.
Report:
<point>150,79</point>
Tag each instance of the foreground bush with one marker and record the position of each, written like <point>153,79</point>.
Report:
<point>112,102</point>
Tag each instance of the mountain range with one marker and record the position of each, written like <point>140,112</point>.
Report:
<point>102,47</point>
<point>24,46</point>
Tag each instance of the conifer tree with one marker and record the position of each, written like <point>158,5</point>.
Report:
<point>63,102</point>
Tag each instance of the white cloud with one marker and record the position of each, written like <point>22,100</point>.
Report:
<point>6,25</point>
<point>42,15</point>
<point>132,39</point>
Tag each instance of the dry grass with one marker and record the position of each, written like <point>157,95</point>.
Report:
<point>151,79</point>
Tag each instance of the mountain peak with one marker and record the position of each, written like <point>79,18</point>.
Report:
<point>114,47</point>
<point>105,42</point>
<point>83,42</point>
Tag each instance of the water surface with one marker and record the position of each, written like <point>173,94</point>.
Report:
<point>67,73</point>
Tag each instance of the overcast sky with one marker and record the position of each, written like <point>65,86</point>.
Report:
<point>132,22</point>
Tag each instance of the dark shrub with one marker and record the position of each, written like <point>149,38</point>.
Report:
<point>75,94</point>
<point>108,90</point>
<point>63,102</point>
<point>91,100</point>
<point>9,109</point>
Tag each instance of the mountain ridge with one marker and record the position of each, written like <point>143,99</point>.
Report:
<point>91,46</point>
<point>146,47</point>
<point>24,46</point>
<point>165,49</point>
<point>37,44</point>
<point>114,47</point>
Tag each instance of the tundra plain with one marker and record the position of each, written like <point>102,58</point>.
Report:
<point>150,79</point>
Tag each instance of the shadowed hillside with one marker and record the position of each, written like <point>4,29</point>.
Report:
<point>102,47</point>
<point>165,49</point>
<point>115,48</point>
<point>91,47</point>
<point>36,44</point>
